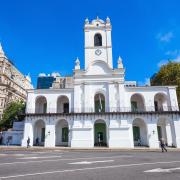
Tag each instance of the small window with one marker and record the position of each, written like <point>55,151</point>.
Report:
<point>97,40</point>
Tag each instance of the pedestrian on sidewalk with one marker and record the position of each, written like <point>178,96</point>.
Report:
<point>8,141</point>
<point>37,141</point>
<point>1,139</point>
<point>139,142</point>
<point>28,142</point>
<point>162,143</point>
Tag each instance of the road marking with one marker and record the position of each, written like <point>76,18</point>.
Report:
<point>66,159</point>
<point>84,169</point>
<point>162,170</point>
<point>12,155</point>
<point>40,152</point>
<point>56,150</point>
<point>39,157</point>
<point>16,154</point>
<point>2,155</point>
<point>91,162</point>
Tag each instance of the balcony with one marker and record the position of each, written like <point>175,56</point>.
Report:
<point>90,110</point>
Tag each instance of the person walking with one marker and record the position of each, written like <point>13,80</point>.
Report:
<point>37,141</point>
<point>162,143</point>
<point>1,139</point>
<point>8,141</point>
<point>139,142</point>
<point>28,142</point>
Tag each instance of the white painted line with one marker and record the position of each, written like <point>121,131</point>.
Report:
<point>3,154</point>
<point>39,157</point>
<point>59,150</point>
<point>162,170</point>
<point>56,160</point>
<point>46,152</point>
<point>14,155</point>
<point>91,162</point>
<point>17,154</point>
<point>84,169</point>
<point>39,152</point>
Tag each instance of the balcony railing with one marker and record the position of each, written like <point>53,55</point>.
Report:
<point>107,110</point>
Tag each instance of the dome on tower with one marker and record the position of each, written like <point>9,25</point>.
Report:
<point>97,20</point>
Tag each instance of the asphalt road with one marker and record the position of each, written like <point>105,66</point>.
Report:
<point>82,165</point>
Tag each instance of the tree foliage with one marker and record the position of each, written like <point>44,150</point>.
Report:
<point>13,112</point>
<point>168,74</point>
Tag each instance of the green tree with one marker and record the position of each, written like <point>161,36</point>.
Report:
<point>169,74</point>
<point>13,112</point>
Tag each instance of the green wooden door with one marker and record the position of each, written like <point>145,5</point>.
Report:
<point>100,133</point>
<point>136,133</point>
<point>42,134</point>
<point>65,134</point>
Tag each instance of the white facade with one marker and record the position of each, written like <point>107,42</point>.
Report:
<point>101,108</point>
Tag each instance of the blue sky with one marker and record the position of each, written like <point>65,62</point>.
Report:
<point>47,36</point>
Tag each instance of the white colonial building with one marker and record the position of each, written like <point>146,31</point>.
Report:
<point>97,107</point>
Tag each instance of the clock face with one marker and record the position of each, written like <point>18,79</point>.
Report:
<point>98,52</point>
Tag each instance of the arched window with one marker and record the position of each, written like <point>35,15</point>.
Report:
<point>99,103</point>
<point>160,102</point>
<point>63,104</point>
<point>97,40</point>
<point>41,105</point>
<point>137,103</point>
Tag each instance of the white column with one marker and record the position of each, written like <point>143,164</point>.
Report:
<point>70,132</point>
<point>111,102</point>
<point>82,134</point>
<point>28,132</point>
<point>152,133</point>
<point>131,137</point>
<point>123,105</point>
<point>52,103</point>
<point>77,98</point>
<point>173,98</point>
<point>169,135</point>
<point>107,132</point>
<point>88,98</point>
<point>50,133</point>
<point>175,129</point>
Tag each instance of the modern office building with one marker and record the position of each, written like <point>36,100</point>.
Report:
<point>45,81</point>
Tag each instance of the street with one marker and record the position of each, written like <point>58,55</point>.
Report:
<point>90,165</point>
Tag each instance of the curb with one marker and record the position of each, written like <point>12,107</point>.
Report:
<point>19,148</point>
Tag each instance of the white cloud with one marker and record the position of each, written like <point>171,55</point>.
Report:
<point>175,52</point>
<point>163,62</point>
<point>177,59</point>
<point>165,37</point>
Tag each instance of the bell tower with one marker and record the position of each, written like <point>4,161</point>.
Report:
<point>98,46</point>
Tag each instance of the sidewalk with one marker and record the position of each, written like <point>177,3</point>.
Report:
<point>104,149</point>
